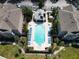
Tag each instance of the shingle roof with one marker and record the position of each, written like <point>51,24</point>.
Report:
<point>0,5</point>
<point>25,3</point>
<point>67,21</point>
<point>10,17</point>
<point>76,15</point>
<point>68,8</point>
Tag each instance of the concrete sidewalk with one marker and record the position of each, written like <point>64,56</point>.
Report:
<point>2,57</point>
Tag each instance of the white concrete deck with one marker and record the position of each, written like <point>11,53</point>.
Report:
<point>32,42</point>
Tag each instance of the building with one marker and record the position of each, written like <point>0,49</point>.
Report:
<point>11,19</point>
<point>69,23</point>
<point>74,2</point>
<point>25,4</point>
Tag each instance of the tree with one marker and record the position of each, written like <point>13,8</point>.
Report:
<point>25,29</point>
<point>55,27</point>
<point>23,42</point>
<point>16,39</point>
<point>55,21</point>
<point>27,12</point>
<point>41,3</point>
<point>46,57</point>
<point>55,24</point>
<point>50,49</point>
<point>55,12</point>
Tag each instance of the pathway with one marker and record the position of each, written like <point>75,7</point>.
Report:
<point>23,52</point>
<point>2,57</point>
<point>56,52</point>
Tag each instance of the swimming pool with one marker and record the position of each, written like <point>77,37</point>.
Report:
<point>39,35</point>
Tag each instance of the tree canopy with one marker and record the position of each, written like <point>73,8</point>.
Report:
<point>41,3</point>
<point>27,12</point>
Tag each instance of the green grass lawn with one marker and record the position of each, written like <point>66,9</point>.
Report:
<point>69,53</point>
<point>9,52</point>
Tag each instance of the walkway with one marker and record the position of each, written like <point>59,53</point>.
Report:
<point>56,52</point>
<point>22,50</point>
<point>2,57</point>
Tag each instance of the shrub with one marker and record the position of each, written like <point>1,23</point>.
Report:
<point>19,50</point>
<point>23,42</point>
<point>22,58</point>
<point>57,48</point>
<point>41,3</point>
<point>25,30</point>
<point>16,55</point>
<point>50,49</point>
<point>61,43</point>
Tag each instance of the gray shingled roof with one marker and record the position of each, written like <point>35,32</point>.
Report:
<point>68,8</point>
<point>67,21</point>
<point>25,3</point>
<point>76,15</point>
<point>10,17</point>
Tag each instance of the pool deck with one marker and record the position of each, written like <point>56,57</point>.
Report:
<point>32,42</point>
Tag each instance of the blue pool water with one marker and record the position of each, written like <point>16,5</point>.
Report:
<point>39,34</point>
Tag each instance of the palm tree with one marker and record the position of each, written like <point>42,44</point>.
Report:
<point>41,3</point>
<point>27,12</point>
